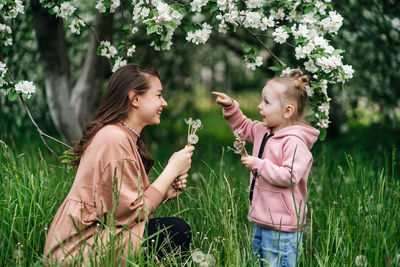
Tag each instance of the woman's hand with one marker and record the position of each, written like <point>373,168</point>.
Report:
<point>248,162</point>
<point>223,99</point>
<point>180,162</point>
<point>178,166</point>
<point>177,186</point>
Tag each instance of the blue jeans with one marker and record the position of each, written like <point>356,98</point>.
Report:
<point>276,248</point>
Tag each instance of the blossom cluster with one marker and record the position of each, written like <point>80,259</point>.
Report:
<point>200,36</point>
<point>25,87</point>
<point>160,18</point>
<point>106,49</point>
<point>3,74</point>
<point>65,10</point>
<point>107,6</point>
<point>10,10</point>
<point>306,25</point>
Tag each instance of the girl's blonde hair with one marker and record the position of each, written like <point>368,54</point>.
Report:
<point>295,88</point>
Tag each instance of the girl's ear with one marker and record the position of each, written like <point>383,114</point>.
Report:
<point>288,112</point>
<point>134,98</point>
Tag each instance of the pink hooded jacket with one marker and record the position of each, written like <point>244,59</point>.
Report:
<point>279,195</point>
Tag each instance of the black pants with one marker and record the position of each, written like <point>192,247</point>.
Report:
<point>173,234</point>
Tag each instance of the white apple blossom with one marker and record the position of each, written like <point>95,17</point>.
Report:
<point>25,87</point>
<point>255,3</point>
<point>134,30</point>
<point>309,90</point>
<point>108,50</point>
<point>114,5</point>
<point>252,19</point>
<point>101,7</point>
<point>252,65</point>
<point>286,72</point>
<point>76,25</point>
<point>65,10</point>
<point>8,42</point>
<point>267,22</point>
<point>324,107</point>
<point>280,35</point>
<point>120,62</point>
<point>329,63</point>
<point>310,66</point>
<point>200,36</point>
<point>348,71</point>
<point>131,50</point>
<point>198,4</point>
<point>324,87</point>
<point>324,123</point>
<point>3,71</point>
<point>300,52</point>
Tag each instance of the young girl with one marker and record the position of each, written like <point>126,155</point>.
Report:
<point>280,166</point>
<point>112,147</point>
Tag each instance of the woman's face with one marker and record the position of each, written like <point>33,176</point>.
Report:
<point>151,103</point>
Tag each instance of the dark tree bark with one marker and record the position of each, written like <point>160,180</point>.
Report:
<point>88,88</point>
<point>70,107</point>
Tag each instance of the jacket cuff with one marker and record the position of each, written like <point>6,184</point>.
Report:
<point>229,111</point>
<point>154,197</point>
<point>257,164</point>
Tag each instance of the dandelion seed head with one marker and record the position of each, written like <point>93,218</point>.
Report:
<point>209,258</point>
<point>198,256</point>
<point>189,121</point>
<point>397,259</point>
<point>361,260</point>
<point>193,139</point>
<point>196,124</point>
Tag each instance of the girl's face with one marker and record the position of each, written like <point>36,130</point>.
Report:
<point>151,103</point>
<point>271,108</point>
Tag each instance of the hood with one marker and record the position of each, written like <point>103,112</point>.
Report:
<point>306,133</point>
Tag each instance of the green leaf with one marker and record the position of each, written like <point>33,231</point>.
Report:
<point>308,9</point>
<point>286,28</point>
<point>170,25</point>
<point>190,28</point>
<point>99,50</point>
<point>5,49</point>
<point>322,134</point>
<point>126,27</point>
<point>12,96</point>
<point>275,68</point>
<point>247,48</point>
<point>151,29</point>
<point>214,8</point>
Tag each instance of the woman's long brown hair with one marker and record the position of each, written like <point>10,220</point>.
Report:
<point>114,107</point>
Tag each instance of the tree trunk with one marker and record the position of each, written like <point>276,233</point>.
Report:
<point>55,62</point>
<point>70,109</point>
<point>88,87</point>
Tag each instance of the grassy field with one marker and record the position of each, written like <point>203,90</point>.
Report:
<point>354,198</point>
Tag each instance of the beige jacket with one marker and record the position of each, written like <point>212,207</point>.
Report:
<point>77,225</point>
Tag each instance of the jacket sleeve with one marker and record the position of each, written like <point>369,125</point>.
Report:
<point>294,152</point>
<point>239,122</point>
<point>120,189</point>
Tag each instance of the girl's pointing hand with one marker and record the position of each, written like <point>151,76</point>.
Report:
<point>223,99</point>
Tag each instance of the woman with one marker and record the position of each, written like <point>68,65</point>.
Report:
<point>111,155</point>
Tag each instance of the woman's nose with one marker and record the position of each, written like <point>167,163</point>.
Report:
<point>164,103</point>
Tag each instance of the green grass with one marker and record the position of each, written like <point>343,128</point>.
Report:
<point>354,199</point>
